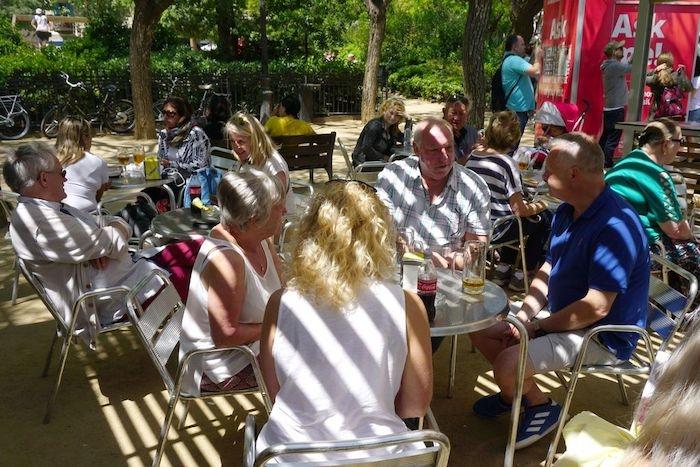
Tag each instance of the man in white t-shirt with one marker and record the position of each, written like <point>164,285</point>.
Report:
<point>41,25</point>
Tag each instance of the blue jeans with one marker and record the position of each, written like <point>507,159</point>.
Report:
<point>523,117</point>
<point>610,137</point>
<point>694,115</point>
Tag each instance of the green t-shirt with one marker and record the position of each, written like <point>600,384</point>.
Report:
<point>648,187</point>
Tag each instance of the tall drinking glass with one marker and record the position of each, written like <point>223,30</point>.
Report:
<point>474,269</point>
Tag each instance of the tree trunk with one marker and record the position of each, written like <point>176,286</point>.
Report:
<point>476,30</point>
<point>224,23</point>
<point>377,28</point>
<point>147,13</point>
<point>521,15</point>
<point>264,71</point>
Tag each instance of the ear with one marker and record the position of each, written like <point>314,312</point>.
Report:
<point>444,112</point>
<point>43,179</point>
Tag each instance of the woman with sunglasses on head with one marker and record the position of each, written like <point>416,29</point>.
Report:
<point>345,352</point>
<point>456,113</point>
<point>643,179</point>
<point>182,145</point>
<point>87,175</point>
<point>251,145</point>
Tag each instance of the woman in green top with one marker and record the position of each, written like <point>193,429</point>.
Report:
<point>642,180</point>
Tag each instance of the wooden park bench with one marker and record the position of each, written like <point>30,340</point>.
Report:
<point>308,152</point>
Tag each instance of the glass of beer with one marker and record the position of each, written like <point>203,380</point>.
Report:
<point>474,269</point>
<point>123,157</point>
<point>139,154</point>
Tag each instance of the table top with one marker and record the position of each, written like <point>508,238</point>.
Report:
<point>687,128</point>
<point>121,184</point>
<point>459,313</point>
<point>179,224</point>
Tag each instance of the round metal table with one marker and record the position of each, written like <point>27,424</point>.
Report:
<point>459,313</point>
<point>179,224</point>
<point>120,184</point>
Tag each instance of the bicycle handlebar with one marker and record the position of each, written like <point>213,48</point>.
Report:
<point>79,84</point>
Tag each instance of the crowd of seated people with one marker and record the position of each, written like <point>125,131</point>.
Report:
<point>340,308</point>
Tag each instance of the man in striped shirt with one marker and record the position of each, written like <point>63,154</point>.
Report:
<point>442,202</point>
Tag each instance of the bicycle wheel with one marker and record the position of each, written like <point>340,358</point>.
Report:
<point>120,116</point>
<point>49,124</point>
<point>16,126</point>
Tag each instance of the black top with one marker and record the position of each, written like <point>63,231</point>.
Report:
<point>465,140</point>
<point>215,133</point>
<point>376,143</point>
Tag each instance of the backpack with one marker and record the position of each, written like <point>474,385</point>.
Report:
<point>670,102</point>
<point>498,96</point>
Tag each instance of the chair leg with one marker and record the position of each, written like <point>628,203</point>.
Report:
<point>453,365</point>
<point>59,376</point>
<point>183,417</point>
<point>164,430</point>
<point>48,357</point>
<point>15,282</point>
<point>521,252</point>
<point>623,390</point>
<point>562,418</point>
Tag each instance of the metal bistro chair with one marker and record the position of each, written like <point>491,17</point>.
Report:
<point>666,314</point>
<point>517,244</point>
<point>366,172</point>
<point>158,323</point>
<point>223,159</point>
<point>66,328</point>
<point>8,202</point>
<point>436,453</point>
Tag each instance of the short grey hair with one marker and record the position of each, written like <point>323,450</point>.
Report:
<point>247,196</point>
<point>23,165</point>
<point>427,124</point>
<point>581,150</point>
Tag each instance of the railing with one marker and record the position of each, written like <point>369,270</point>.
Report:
<point>333,95</point>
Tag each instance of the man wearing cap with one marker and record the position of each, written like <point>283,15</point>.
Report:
<point>615,89</point>
<point>42,27</point>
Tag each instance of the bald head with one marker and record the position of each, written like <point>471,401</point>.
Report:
<point>434,145</point>
<point>581,150</point>
<point>435,127</point>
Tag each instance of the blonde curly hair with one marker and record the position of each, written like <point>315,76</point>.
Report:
<point>345,238</point>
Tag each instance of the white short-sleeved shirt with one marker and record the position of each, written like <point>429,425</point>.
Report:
<point>274,165</point>
<point>462,207</point>
<point>83,179</point>
<point>502,175</point>
<point>42,23</point>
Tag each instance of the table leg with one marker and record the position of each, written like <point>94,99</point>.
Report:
<point>517,397</point>
<point>453,365</point>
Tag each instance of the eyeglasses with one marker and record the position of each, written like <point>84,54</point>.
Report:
<point>680,141</point>
<point>61,172</point>
<point>365,186</point>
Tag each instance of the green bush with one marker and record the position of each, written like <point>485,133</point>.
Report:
<point>433,80</point>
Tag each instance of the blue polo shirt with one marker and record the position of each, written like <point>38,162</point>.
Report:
<point>604,249</point>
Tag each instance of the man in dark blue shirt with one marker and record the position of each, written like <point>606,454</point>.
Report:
<point>596,272</point>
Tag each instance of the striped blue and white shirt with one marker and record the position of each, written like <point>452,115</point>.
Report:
<point>502,175</point>
<point>463,206</point>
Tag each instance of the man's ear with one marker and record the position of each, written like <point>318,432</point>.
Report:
<point>444,112</point>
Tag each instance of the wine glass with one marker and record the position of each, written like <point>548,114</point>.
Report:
<point>123,157</point>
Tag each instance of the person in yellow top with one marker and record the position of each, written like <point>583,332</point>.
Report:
<point>285,119</point>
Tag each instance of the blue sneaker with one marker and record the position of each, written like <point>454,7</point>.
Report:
<point>491,406</point>
<point>536,422</point>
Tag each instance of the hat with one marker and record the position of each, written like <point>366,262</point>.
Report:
<point>38,11</point>
<point>610,47</point>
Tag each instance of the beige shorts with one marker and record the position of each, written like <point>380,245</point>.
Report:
<point>558,351</point>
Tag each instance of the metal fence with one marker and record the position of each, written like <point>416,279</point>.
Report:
<point>332,95</point>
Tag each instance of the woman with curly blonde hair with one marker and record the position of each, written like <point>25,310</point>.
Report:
<point>344,344</point>
<point>250,144</point>
<point>87,175</point>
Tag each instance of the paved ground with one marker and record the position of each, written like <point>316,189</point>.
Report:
<point>112,401</point>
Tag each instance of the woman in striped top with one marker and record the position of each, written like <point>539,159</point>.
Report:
<point>500,172</point>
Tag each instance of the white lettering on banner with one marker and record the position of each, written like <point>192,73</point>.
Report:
<point>625,28</point>
<point>558,28</point>
<point>653,53</point>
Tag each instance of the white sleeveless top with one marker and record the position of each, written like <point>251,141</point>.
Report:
<point>196,330</point>
<point>339,370</point>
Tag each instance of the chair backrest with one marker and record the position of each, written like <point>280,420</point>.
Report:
<point>668,307</point>
<point>346,157</point>
<point>158,321</point>
<point>38,287</point>
<point>435,455</point>
<point>223,159</point>
<point>8,203</point>
<point>307,151</point>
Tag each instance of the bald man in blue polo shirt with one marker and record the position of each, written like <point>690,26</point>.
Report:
<point>596,272</point>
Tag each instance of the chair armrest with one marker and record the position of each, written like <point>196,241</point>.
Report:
<point>591,333</point>
<point>121,197</point>
<point>97,293</point>
<point>249,441</point>
<point>369,165</point>
<point>304,185</point>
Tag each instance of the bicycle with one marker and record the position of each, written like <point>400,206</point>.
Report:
<point>117,115</point>
<point>199,115</point>
<point>14,119</point>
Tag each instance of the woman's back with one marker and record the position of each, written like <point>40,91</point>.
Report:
<point>339,371</point>
<point>83,179</point>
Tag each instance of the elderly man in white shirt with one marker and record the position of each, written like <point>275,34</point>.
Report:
<point>63,246</point>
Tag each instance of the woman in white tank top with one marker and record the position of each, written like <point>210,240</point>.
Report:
<point>345,352</point>
<point>234,274</point>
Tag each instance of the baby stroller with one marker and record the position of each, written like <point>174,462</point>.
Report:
<point>551,120</point>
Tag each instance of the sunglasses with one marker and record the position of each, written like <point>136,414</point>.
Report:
<point>61,172</point>
<point>365,186</point>
<point>170,113</point>
<point>680,141</point>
